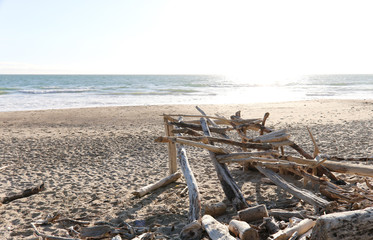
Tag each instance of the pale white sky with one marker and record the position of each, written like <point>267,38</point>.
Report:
<point>186,37</point>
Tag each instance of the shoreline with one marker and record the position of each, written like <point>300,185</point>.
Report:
<point>91,159</point>
<point>284,101</point>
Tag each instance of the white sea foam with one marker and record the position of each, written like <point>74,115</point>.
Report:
<point>34,92</point>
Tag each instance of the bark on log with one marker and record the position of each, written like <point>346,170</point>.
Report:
<point>252,214</point>
<point>163,182</point>
<point>215,229</point>
<point>215,210</point>
<point>243,230</point>
<point>230,187</point>
<point>26,193</point>
<point>192,231</point>
<point>344,225</point>
<point>303,194</point>
<point>300,228</point>
<point>271,225</point>
<point>349,168</point>
<point>194,197</point>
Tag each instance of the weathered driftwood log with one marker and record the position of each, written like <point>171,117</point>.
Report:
<point>285,215</point>
<point>191,231</point>
<point>163,182</point>
<point>349,168</point>
<point>344,225</point>
<point>171,148</point>
<point>300,228</point>
<point>252,214</point>
<point>215,229</point>
<point>216,209</point>
<point>271,225</point>
<point>230,187</point>
<point>303,194</point>
<point>26,193</point>
<point>243,230</point>
<point>194,197</point>
<point>275,136</point>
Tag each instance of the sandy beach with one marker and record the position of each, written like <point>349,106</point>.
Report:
<point>92,159</point>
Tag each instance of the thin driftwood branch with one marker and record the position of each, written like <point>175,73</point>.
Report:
<point>163,182</point>
<point>316,151</point>
<point>199,127</point>
<point>26,193</point>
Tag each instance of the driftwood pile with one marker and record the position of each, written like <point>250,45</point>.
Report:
<point>341,210</point>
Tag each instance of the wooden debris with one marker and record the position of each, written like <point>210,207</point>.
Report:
<point>344,225</point>
<point>194,197</point>
<point>303,194</point>
<point>299,229</point>
<point>252,214</point>
<point>349,168</point>
<point>163,182</point>
<point>26,193</point>
<point>191,231</point>
<point>230,187</point>
<point>243,230</point>
<point>215,229</point>
<point>49,237</point>
<point>285,215</point>
<point>264,152</point>
<point>171,147</point>
<point>145,236</point>
<point>216,209</point>
<point>271,225</point>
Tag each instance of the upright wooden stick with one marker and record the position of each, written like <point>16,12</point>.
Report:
<point>171,147</point>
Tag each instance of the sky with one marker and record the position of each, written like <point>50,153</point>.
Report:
<point>186,37</point>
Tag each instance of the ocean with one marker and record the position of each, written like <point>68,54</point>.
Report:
<point>39,92</point>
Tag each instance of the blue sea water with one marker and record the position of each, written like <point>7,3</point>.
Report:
<point>36,92</point>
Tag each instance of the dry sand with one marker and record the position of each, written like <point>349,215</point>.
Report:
<point>92,159</point>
